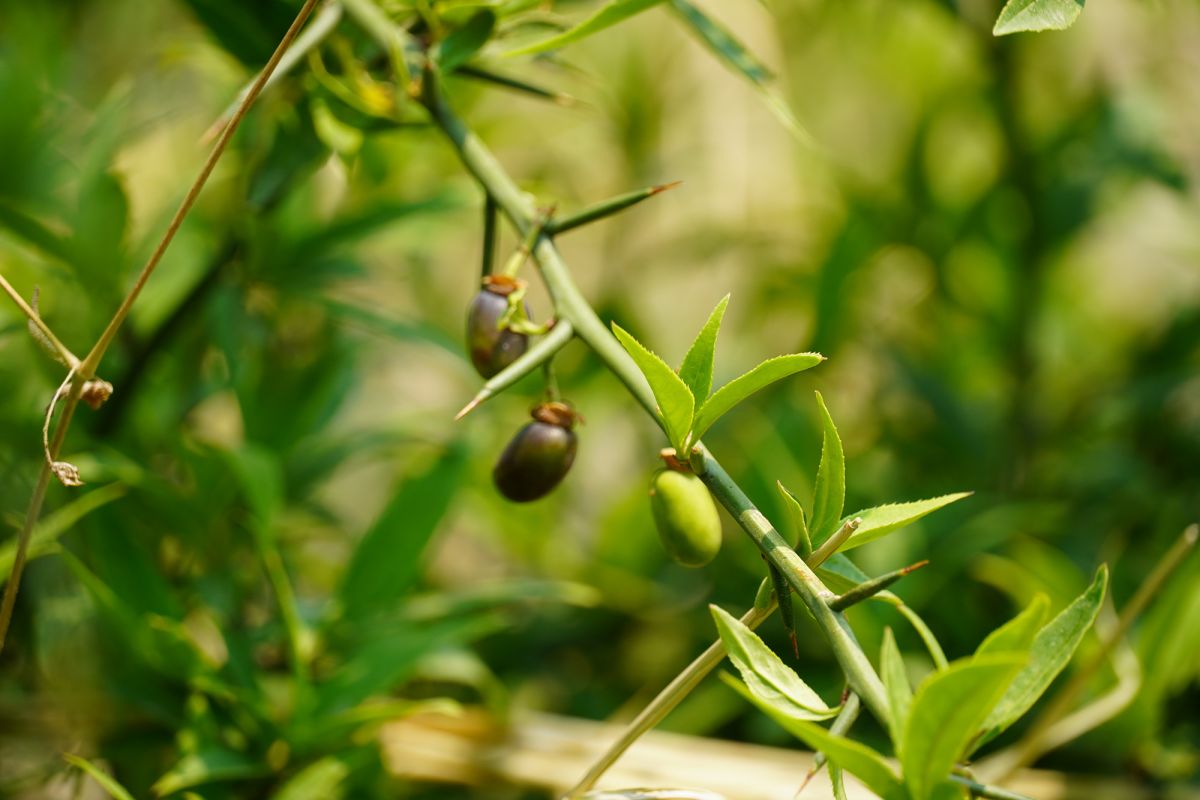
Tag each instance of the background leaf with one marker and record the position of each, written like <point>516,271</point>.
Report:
<point>675,402</point>
<point>1037,15</point>
<point>736,56</point>
<point>388,558</point>
<point>740,388</point>
<point>463,43</point>
<point>609,15</point>
<point>697,367</point>
<point>106,781</point>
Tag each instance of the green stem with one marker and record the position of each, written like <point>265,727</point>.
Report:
<point>665,702</point>
<point>983,790</point>
<point>572,306</point>
<point>538,355</point>
<point>850,656</point>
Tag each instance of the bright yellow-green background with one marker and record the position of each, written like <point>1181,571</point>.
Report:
<point>995,242</point>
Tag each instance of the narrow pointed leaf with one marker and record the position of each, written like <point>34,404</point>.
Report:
<point>859,760</point>
<point>740,388</point>
<point>1049,654</point>
<point>388,558</point>
<point>106,781</point>
<point>208,765</point>
<point>895,683</point>
<point>766,676</point>
<point>803,543</point>
<point>829,493</point>
<point>1037,15</point>
<point>837,782</point>
<point>463,43</point>
<point>675,402</point>
<point>697,367</point>
<point>879,521</point>
<point>612,13</point>
<point>946,715</point>
<point>737,57</point>
<point>1018,633</point>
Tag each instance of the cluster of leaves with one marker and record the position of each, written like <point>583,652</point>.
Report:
<point>687,405</point>
<point>956,709</point>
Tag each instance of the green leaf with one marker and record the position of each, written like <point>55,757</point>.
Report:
<point>106,781</point>
<point>946,715</point>
<point>879,521</point>
<point>1037,15</point>
<point>742,387</point>
<point>735,55</point>
<point>895,684</point>
<point>1049,654</point>
<point>675,402</point>
<point>1018,633</point>
<point>208,766</point>
<point>47,532</point>
<point>388,558</point>
<point>260,476</point>
<point>766,676</point>
<point>458,48</point>
<point>795,512</point>
<point>320,780</point>
<point>829,493</point>
<point>697,367</point>
<point>859,760</point>
<point>340,137</point>
<point>612,13</point>
<point>837,782</point>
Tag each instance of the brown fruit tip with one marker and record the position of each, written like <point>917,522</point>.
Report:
<point>556,413</point>
<point>663,187</point>
<point>672,460</point>
<point>502,285</point>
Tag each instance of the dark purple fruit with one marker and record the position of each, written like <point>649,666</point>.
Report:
<point>539,456</point>
<point>492,348</point>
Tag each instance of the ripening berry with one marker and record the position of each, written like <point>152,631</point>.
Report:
<point>539,456</point>
<point>492,348</point>
<point>686,517</point>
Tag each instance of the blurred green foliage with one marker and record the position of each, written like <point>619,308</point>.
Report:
<point>285,536</point>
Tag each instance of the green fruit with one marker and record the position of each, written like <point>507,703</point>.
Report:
<point>539,456</point>
<point>686,517</point>
<point>493,348</point>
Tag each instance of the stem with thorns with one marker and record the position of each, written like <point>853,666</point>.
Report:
<point>570,305</point>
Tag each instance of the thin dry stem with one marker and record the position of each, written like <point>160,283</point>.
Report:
<point>92,360</point>
<point>35,319</point>
<point>35,509</point>
<point>87,367</point>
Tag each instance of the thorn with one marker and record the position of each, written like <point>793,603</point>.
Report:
<point>795,644</point>
<point>474,404</point>
<point>663,187</point>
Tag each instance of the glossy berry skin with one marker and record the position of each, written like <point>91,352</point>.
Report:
<point>539,456</point>
<point>492,349</point>
<point>686,517</point>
